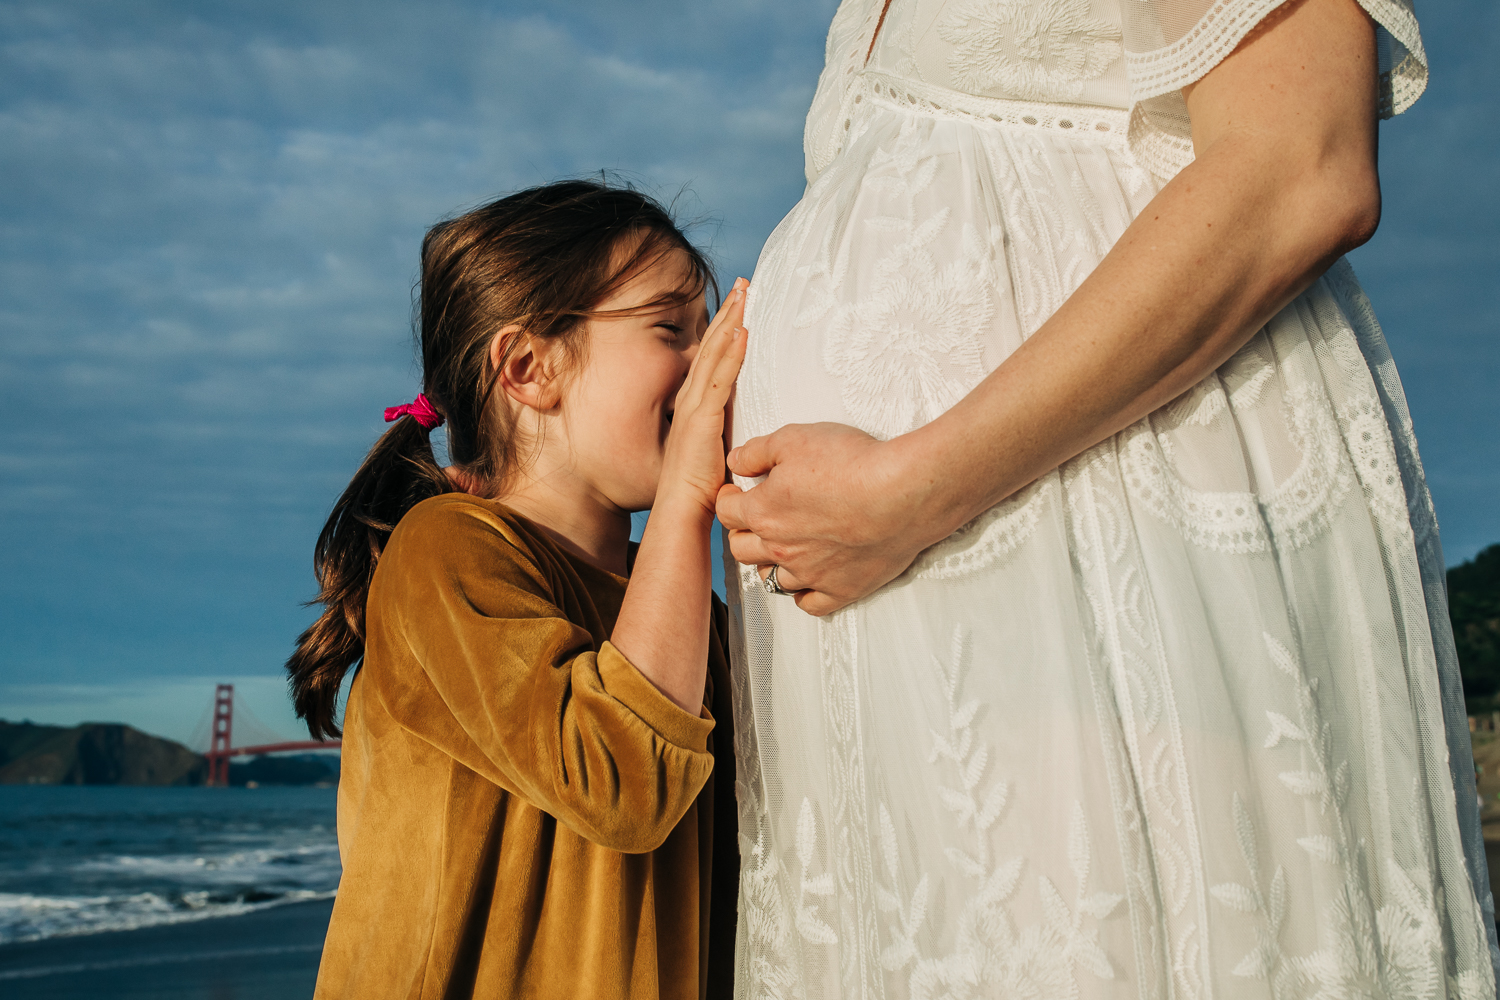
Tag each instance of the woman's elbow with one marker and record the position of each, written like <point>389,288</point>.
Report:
<point>1361,210</point>
<point>1345,208</point>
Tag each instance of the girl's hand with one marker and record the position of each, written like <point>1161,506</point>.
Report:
<point>693,467</point>
<point>663,624</point>
<point>841,513</point>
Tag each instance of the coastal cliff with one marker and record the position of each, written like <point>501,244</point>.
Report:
<point>95,753</point>
<point>1474,603</point>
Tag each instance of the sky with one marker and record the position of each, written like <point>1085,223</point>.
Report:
<point>209,223</point>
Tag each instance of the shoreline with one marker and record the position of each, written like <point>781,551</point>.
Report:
<point>269,954</point>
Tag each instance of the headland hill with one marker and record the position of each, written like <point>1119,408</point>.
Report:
<point>111,753</point>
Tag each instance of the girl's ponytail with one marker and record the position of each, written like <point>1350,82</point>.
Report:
<point>398,473</point>
<point>540,260</point>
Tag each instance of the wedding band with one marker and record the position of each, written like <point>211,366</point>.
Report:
<point>772,585</point>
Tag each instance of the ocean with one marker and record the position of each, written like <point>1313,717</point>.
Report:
<point>83,859</point>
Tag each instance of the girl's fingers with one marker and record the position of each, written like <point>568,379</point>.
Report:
<point>718,360</point>
<point>706,370</point>
<point>726,368</point>
<point>732,312</point>
<point>731,315</point>
<point>710,387</point>
<point>708,350</point>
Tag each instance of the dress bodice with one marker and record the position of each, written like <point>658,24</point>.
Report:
<point>1065,51</point>
<point>1133,55</point>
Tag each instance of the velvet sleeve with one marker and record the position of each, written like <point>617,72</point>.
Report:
<point>484,665</point>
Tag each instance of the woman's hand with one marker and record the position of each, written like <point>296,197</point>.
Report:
<point>839,512</point>
<point>693,466</point>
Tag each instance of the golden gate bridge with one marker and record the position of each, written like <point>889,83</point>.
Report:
<point>214,737</point>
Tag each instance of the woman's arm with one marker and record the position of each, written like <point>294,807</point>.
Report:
<point>1284,182</point>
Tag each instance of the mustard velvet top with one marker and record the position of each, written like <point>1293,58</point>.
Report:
<point>521,813</point>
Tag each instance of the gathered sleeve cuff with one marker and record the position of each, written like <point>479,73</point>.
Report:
<point>1170,44</point>
<point>470,652</point>
<point>622,681</point>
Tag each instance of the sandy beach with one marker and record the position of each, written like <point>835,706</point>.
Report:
<point>268,955</point>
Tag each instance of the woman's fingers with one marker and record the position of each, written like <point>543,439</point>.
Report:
<point>755,457</point>
<point>817,604</point>
<point>812,602</point>
<point>730,508</point>
<point>785,578</point>
<point>748,548</point>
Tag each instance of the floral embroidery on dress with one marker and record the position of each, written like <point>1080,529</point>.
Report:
<point>993,955</point>
<point>771,973</point>
<point>1392,951</point>
<point>809,924</point>
<point>1163,855</point>
<point>1295,512</point>
<point>908,348</point>
<point>988,538</point>
<point>1033,51</point>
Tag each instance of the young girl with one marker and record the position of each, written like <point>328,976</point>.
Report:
<point>536,799</point>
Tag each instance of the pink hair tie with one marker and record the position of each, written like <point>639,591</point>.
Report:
<point>419,410</point>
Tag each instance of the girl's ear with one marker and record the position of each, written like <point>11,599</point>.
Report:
<point>523,363</point>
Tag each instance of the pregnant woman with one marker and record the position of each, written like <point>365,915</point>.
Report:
<point>1092,633</point>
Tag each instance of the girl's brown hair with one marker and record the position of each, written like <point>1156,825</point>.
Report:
<point>540,259</point>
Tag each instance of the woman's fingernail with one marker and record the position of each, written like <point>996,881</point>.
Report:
<point>729,458</point>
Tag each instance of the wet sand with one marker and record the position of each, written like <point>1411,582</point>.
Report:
<point>269,955</point>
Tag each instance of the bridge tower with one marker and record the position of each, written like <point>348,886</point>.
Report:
<point>218,751</point>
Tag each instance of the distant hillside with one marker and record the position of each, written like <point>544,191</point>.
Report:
<point>95,753</point>
<point>1474,603</point>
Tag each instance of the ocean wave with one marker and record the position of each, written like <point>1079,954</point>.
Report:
<point>301,863</point>
<point>26,917</point>
<point>90,859</point>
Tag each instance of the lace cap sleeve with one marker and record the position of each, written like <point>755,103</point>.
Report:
<point>1172,43</point>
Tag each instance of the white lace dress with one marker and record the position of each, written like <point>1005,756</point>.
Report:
<point>1182,719</point>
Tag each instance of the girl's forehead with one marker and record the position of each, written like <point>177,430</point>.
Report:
<point>662,278</point>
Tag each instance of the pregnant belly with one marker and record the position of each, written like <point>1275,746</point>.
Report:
<point>916,264</point>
